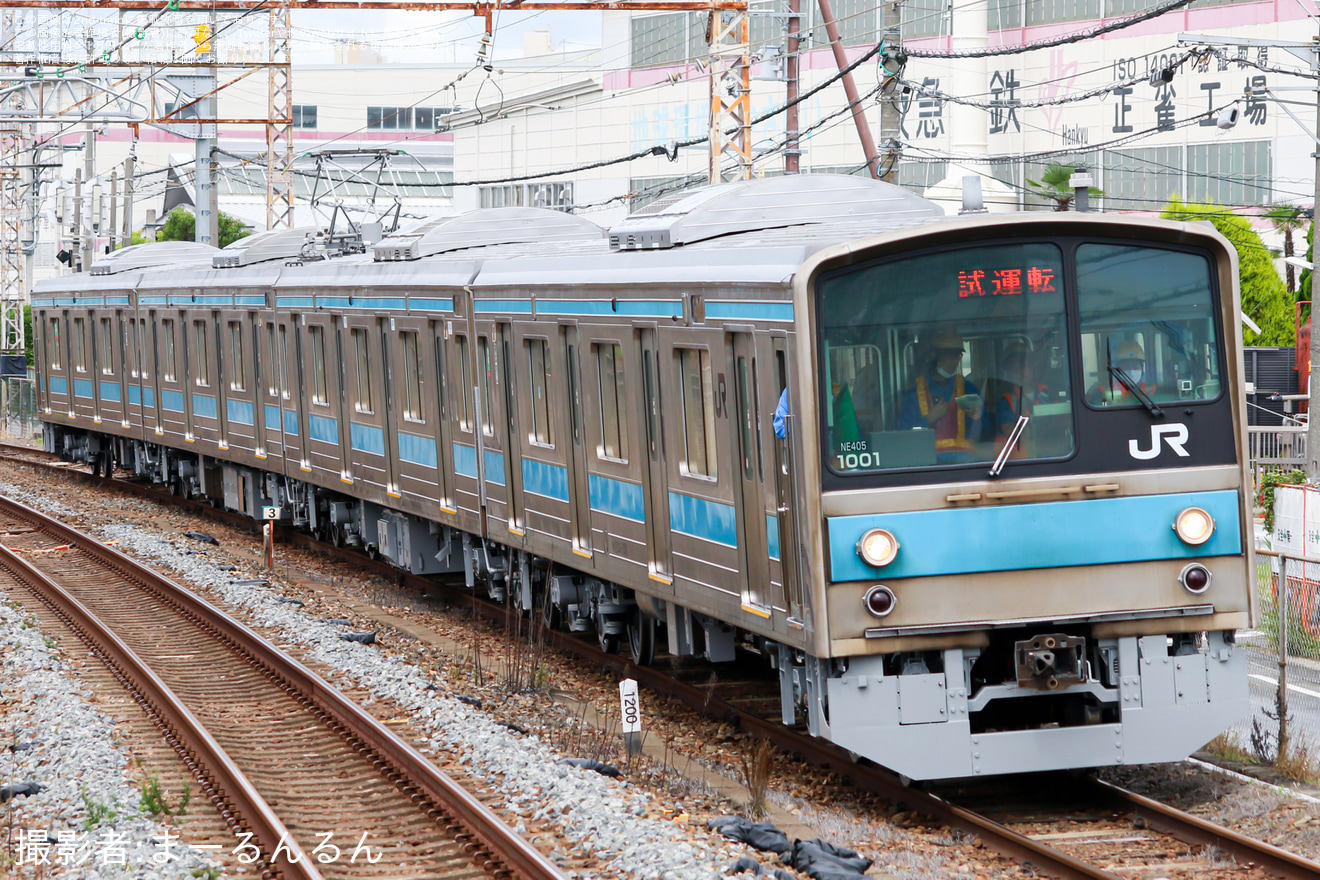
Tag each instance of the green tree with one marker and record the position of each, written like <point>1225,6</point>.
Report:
<point>1053,184</point>
<point>1304,283</point>
<point>27,336</point>
<point>180,225</point>
<point>1287,219</point>
<point>1264,298</point>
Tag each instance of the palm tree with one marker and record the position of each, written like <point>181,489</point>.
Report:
<point>1287,219</point>
<point>1053,184</point>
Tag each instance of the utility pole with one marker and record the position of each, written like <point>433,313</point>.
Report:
<point>128,198</point>
<point>850,89</point>
<point>792,154</point>
<point>1310,53</point>
<point>112,226</point>
<point>204,195</point>
<point>77,262</point>
<point>889,95</point>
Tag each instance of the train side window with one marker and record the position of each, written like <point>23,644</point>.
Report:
<point>363,361</point>
<point>201,354</point>
<point>272,353</point>
<point>236,381</point>
<point>412,378</point>
<point>652,404</point>
<point>698,414</point>
<point>108,346</point>
<point>142,349</point>
<point>465,392</point>
<point>171,374</point>
<point>746,427</point>
<point>487,365</point>
<point>539,367</point>
<point>613,406</point>
<point>79,346</point>
<point>129,334</point>
<point>53,349</point>
<point>319,394</point>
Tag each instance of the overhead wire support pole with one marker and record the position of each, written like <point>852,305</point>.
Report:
<point>730,74</point>
<point>850,89</point>
<point>279,125</point>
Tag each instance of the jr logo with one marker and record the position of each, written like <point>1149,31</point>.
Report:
<point>1175,435</point>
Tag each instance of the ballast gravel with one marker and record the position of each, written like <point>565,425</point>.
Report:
<point>603,818</point>
<point>85,823</point>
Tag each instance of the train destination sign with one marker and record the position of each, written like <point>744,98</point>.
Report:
<point>1004,282</point>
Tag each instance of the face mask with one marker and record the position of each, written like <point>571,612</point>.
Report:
<point>943,373</point>
<point>1135,373</point>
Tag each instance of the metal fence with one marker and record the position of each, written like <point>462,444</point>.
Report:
<point>18,409</point>
<point>1283,659</point>
<point>1276,448</point>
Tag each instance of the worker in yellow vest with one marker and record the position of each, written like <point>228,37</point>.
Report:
<point>944,400</point>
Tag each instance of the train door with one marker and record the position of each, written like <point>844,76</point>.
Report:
<point>239,382</point>
<point>151,403</point>
<point>172,375</point>
<point>783,530</point>
<point>128,371</point>
<point>110,369</point>
<point>578,486</point>
<point>749,479</point>
<point>539,436</point>
<point>259,382</point>
<point>59,394</point>
<point>293,394</point>
<point>413,429</point>
<point>465,421</point>
<point>100,364</point>
<point>660,562</point>
<point>702,469</point>
<point>366,381</point>
<point>322,396</point>
<point>494,395</point>
<point>391,378</point>
<point>433,361</point>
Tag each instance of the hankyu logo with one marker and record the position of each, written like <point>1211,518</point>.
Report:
<point>1175,435</point>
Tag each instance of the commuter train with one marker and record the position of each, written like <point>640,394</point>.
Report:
<point>973,485</point>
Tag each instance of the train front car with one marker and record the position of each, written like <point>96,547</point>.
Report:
<point>1035,513</point>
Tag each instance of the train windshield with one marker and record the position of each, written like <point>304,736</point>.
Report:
<point>934,359</point>
<point>1148,326</point>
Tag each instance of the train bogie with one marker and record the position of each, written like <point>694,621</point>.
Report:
<point>724,426</point>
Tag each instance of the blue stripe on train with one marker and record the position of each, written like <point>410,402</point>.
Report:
<point>616,497</point>
<point>416,449</point>
<point>59,385</point>
<point>82,387</point>
<point>541,478</point>
<point>204,406</point>
<point>465,460</point>
<point>134,395</point>
<point>323,429</point>
<point>366,438</point>
<point>240,412</point>
<point>110,392</point>
<point>1058,533</point>
<point>291,422</point>
<point>171,400</point>
<point>700,518</point>
<point>494,467</point>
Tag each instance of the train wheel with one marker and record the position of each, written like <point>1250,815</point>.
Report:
<point>609,642</point>
<point>641,639</point>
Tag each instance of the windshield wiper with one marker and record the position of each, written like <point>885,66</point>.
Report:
<point>1013,437</point>
<point>1121,375</point>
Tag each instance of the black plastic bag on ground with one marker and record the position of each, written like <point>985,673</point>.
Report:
<point>761,835</point>
<point>824,861</point>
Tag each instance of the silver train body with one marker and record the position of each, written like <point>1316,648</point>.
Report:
<point>584,423</point>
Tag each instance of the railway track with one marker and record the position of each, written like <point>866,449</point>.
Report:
<point>284,758</point>
<point>1101,831</point>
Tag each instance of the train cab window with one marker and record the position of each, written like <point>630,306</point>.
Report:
<point>539,367</point>
<point>613,403</point>
<point>465,393</point>
<point>79,346</point>
<point>319,393</point>
<point>236,381</point>
<point>698,413</point>
<point>107,346</point>
<point>171,366</point>
<point>201,355</point>
<point>363,370</point>
<point>412,378</point>
<point>53,347</point>
<point>931,360</point>
<point>1148,320</point>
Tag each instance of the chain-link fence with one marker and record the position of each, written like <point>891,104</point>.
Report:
<point>18,410</point>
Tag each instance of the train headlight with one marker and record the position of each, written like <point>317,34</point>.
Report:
<point>1194,526</point>
<point>878,547</point>
<point>1195,578</point>
<point>879,601</point>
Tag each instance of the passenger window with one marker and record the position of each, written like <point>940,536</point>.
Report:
<point>652,403</point>
<point>613,405</point>
<point>272,351</point>
<point>746,424</point>
<point>698,413</point>
<point>284,362</point>
<point>171,374</point>
<point>412,378</point>
<point>201,352</point>
<point>239,365</point>
<point>128,338</point>
<point>108,347</point>
<point>319,394</point>
<point>487,364</point>
<point>574,398</point>
<point>54,349</point>
<point>540,373</point>
<point>465,393</point>
<point>79,346</point>
<point>364,403</point>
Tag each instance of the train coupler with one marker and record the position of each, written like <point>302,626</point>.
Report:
<point>1050,662</point>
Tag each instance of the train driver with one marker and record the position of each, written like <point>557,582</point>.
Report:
<point>1110,391</point>
<point>944,400</point>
